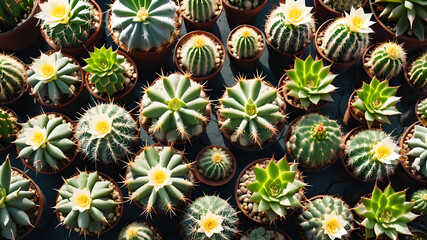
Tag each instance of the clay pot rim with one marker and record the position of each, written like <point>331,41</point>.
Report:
<point>287,237</point>
<point>401,160</point>
<point>121,205</point>
<point>149,224</point>
<point>210,182</point>
<point>21,27</point>
<point>24,87</point>
<point>247,12</point>
<point>10,145</point>
<point>184,39</point>
<point>416,107</point>
<point>212,20</point>
<point>257,55</point>
<point>406,70</point>
<point>77,144</point>
<point>335,11</point>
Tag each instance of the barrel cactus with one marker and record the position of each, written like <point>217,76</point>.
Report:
<point>315,140</point>
<point>46,142</point>
<point>290,27</point>
<point>420,199</point>
<point>12,77</point>
<point>347,38</point>
<point>144,25</point>
<point>11,12</point>
<point>418,146</point>
<point>245,42</point>
<point>174,108</point>
<point>52,76</point>
<point>86,201</point>
<point>106,133</point>
<point>326,218</point>
<point>68,23</point>
<point>159,178</point>
<point>201,10</point>
<point>422,111</point>
<point>209,217</point>
<point>387,60</point>
<point>137,231</point>
<point>245,4</point>
<point>418,72</point>
<point>251,112</point>
<point>343,5</point>
<point>385,213</point>
<point>8,127</point>
<point>215,163</point>
<point>371,154</point>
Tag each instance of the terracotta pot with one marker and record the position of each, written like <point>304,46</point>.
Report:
<point>211,77</point>
<point>11,144</point>
<point>244,63</point>
<point>323,12</point>
<point>149,224</point>
<point>191,25</point>
<point>382,33</point>
<point>81,51</point>
<point>108,228</point>
<point>237,17</point>
<point>247,232</point>
<point>408,91</point>
<point>23,36</point>
<point>210,182</point>
<point>71,159</point>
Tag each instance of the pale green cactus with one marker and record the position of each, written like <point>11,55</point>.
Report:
<point>387,60</point>
<point>200,10</point>
<point>418,146</point>
<point>418,72</point>
<point>11,11</point>
<point>215,163</point>
<point>422,111</point>
<point>8,126</point>
<point>420,199</point>
<point>12,77</point>
<point>246,43</point>
<point>137,231</point>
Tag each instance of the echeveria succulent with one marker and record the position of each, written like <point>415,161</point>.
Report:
<point>418,146</point>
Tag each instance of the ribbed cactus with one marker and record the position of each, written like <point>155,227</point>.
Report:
<point>422,111</point>
<point>344,5</point>
<point>12,77</point>
<point>372,154</point>
<point>46,141</point>
<point>420,199</point>
<point>68,23</point>
<point>105,67</point>
<point>387,60</point>
<point>106,133</point>
<point>246,43</point>
<point>315,140</point>
<point>418,146</point>
<point>8,127</point>
<point>159,178</point>
<point>16,200</point>
<point>325,218</point>
<point>175,106</point>
<point>215,164</point>
<point>144,25</point>
<point>252,112</point>
<point>200,10</point>
<point>200,55</point>
<point>245,4</point>
<point>137,231</point>
<point>11,12</point>
<point>52,75</point>
<point>418,72</point>
<point>86,201</point>
<point>209,217</point>
<point>290,27</point>
<point>347,38</point>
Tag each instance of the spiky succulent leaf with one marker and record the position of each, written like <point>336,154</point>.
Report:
<point>12,77</point>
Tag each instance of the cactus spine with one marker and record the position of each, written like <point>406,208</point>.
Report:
<point>344,5</point>
<point>200,10</point>
<point>420,199</point>
<point>418,72</point>
<point>246,42</point>
<point>11,11</point>
<point>12,77</point>
<point>8,124</point>
<point>137,231</point>
<point>215,163</point>
<point>422,111</point>
<point>200,55</point>
<point>387,60</point>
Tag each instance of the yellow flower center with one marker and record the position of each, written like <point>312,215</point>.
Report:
<point>393,51</point>
<point>217,158</point>
<point>59,11</point>
<point>142,14</point>
<point>357,21</point>
<point>425,197</point>
<point>132,232</point>
<point>83,201</point>
<point>199,42</point>
<point>383,152</point>
<point>102,127</point>
<point>47,70</point>
<point>295,14</point>
<point>38,138</point>
<point>246,34</point>
<point>210,225</point>
<point>159,177</point>
<point>332,226</point>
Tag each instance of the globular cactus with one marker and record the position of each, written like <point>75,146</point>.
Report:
<point>85,202</point>
<point>246,43</point>
<point>11,12</point>
<point>105,67</point>
<point>326,218</point>
<point>315,140</point>
<point>52,76</point>
<point>290,27</point>
<point>46,141</point>
<point>422,111</point>
<point>343,5</point>
<point>16,200</point>
<point>418,146</point>
<point>12,77</point>
<point>68,23</point>
<point>200,55</point>
<point>215,164</point>
<point>8,127</point>
<point>372,154</point>
<point>420,199</point>
<point>245,4</point>
<point>137,231</point>
<point>144,25</point>
<point>209,217</point>
<point>387,60</point>
<point>176,107</point>
<point>418,72</point>
<point>159,178</point>
<point>347,38</point>
<point>200,10</point>
<point>106,133</point>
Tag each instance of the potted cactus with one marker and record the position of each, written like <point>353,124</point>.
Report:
<point>21,200</point>
<point>245,45</point>
<point>174,109</point>
<point>140,231</point>
<point>289,30</point>
<point>251,113</point>
<point>325,217</point>
<point>385,214</point>
<point>373,104</point>
<point>327,9</point>
<point>421,110</point>
<point>46,143</point>
<point>420,199</point>
<point>240,12</point>
<point>264,233</point>
<point>201,54</point>
<point>267,190</point>
<point>416,77</point>
<point>111,75</point>
<point>145,30</point>
<point>8,128</point>
<point>107,133</point>
<point>342,41</point>
<point>200,14</point>
<point>369,154</point>
<point>314,141</point>
<point>72,26</point>
<point>158,171</point>
<point>89,203</point>
<point>209,217</point>
<point>215,165</point>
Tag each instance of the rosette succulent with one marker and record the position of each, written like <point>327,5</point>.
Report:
<point>251,112</point>
<point>246,43</point>
<point>158,178</point>
<point>418,146</point>
<point>418,72</point>
<point>245,4</point>
<point>420,199</point>
<point>422,111</point>
<point>8,126</point>
<point>387,60</point>
<point>12,77</point>
<point>105,67</point>
<point>11,12</point>
<point>215,163</point>
<point>137,231</point>
<point>386,213</point>
<point>343,5</point>
<point>276,188</point>
<point>376,101</point>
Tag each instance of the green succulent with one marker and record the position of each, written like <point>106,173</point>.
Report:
<point>418,146</point>
<point>422,111</point>
<point>420,199</point>
<point>11,11</point>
